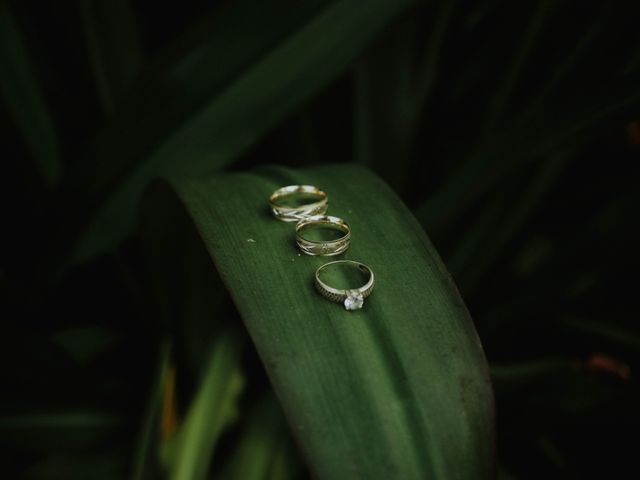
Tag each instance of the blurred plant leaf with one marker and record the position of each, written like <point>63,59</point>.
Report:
<point>570,64</point>
<point>176,84</point>
<point>114,48</point>
<point>508,83</point>
<point>377,393</point>
<point>488,242</point>
<point>234,117</point>
<point>189,452</point>
<point>145,458</point>
<point>22,94</point>
<point>97,466</point>
<point>529,119</point>
<point>608,331</point>
<point>521,144</point>
<point>392,84</point>
<point>193,311</point>
<point>84,344</point>
<point>558,384</point>
<point>265,447</point>
<point>71,429</point>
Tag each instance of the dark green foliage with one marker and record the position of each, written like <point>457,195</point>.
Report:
<point>510,129</point>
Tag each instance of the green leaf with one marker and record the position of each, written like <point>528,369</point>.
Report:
<point>521,144</point>
<point>508,83</point>
<point>620,335</point>
<point>398,389</point>
<point>238,115</point>
<point>488,238</point>
<point>114,47</point>
<point>392,87</point>
<point>189,453</point>
<point>23,96</point>
<point>144,461</point>
<point>264,450</point>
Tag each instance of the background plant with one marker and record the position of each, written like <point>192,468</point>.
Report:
<point>510,130</point>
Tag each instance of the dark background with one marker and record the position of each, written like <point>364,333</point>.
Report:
<point>511,129</point>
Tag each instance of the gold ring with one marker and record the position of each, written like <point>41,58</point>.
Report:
<point>323,247</point>
<point>283,202</point>
<point>352,299</point>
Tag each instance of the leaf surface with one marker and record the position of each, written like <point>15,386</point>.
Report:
<point>398,389</point>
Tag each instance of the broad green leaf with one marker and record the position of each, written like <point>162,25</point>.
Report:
<point>239,114</point>
<point>398,389</point>
<point>22,93</point>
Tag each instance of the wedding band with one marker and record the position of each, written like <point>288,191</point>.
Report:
<point>288,213</point>
<point>323,247</point>
<point>352,299</point>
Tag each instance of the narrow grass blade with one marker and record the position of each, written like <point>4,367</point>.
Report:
<point>495,237</point>
<point>508,84</point>
<point>397,390</point>
<point>513,148</point>
<point>188,454</point>
<point>604,329</point>
<point>25,100</point>
<point>114,48</point>
<point>264,450</point>
<point>392,84</point>
<point>145,458</point>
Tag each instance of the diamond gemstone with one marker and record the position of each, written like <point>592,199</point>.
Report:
<point>354,301</point>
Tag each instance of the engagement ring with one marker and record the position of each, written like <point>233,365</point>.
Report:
<point>352,299</point>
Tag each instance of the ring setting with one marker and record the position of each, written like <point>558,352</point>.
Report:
<point>323,247</point>
<point>352,299</point>
<point>280,202</point>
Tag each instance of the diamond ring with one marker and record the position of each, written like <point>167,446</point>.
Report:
<point>295,202</point>
<point>352,299</point>
<point>323,235</point>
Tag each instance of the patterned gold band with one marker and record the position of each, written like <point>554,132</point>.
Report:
<point>294,213</point>
<point>323,247</point>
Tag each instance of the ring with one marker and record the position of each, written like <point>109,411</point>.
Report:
<point>323,247</point>
<point>352,299</point>
<point>293,212</point>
